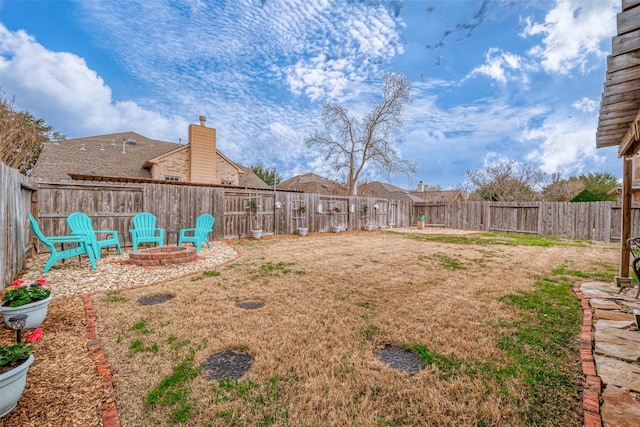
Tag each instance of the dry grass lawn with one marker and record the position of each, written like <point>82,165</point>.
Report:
<point>331,301</point>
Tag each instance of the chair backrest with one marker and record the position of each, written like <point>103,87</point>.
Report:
<point>204,224</point>
<point>145,224</point>
<point>36,230</point>
<point>80,223</point>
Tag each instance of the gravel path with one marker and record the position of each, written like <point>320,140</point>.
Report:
<point>75,277</point>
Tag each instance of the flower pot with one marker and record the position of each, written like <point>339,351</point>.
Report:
<point>336,228</point>
<point>12,385</point>
<point>302,231</point>
<point>368,227</point>
<point>256,234</point>
<point>36,312</point>
<point>420,225</point>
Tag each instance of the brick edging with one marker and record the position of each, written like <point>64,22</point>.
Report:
<point>110,416</point>
<point>591,393</point>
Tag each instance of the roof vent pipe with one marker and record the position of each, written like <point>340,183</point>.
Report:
<point>202,120</point>
<point>83,147</point>
<point>420,187</point>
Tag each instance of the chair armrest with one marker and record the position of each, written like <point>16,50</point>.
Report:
<point>183,231</point>
<point>68,239</point>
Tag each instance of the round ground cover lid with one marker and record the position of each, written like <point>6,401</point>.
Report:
<point>154,299</point>
<point>232,364</point>
<point>400,359</point>
<point>250,305</point>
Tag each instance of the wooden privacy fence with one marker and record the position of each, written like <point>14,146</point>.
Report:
<point>15,204</point>
<point>598,221</point>
<point>111,207</point>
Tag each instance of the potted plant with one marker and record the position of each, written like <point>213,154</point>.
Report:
<point>336,228</point>
<point>256,231</point>
<point>32,300</point>
<point>420,220</point>
<point>15,360</point>
<point>302,210</point>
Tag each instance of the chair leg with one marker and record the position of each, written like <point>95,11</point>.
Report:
<point>635,266</point>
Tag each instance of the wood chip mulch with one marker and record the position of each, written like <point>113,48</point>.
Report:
<point>63,387</point>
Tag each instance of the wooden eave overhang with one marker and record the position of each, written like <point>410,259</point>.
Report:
<point>619,115</point>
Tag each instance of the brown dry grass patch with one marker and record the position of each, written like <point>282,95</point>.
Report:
<point>331,302</point>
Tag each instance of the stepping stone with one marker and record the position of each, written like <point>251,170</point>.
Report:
<point>154,299</point>
<point>618,373</point>
<point>619,408</point>
<point>400,359</point>
<point>613,315</point>
<point>617,343</point>
<point>604,304</point>
<point>250,305</point>
<point>231,364</point>
<point>617,324</point>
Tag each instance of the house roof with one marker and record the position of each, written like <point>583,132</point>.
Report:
<point>383,190</point>
<point>116,155</point>
<point>249,179</point>
<point>619,115</point>
<point>312,183</point>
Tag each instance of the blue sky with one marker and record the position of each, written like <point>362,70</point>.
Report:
<point>492,79</point>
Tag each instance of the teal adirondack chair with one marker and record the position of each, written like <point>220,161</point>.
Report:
<point>199,234</point>
<point>57,255</point>
<point>80,224</point>
<point>145,231</point>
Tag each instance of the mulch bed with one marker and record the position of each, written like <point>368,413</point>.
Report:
<point>63,387</point>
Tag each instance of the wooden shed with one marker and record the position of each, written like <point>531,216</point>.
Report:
<point>619,116</point>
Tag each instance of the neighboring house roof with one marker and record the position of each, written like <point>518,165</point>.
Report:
<point>383,190</point>
<point>312,183</point>
<point>249,179</point>
<point>118,155</point>
<point>439,196</point>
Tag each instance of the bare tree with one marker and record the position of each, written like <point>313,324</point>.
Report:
<point>22,136</point>
<point>350,143</point>
<point>507,181</point>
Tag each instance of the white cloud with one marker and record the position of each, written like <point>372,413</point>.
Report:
<point>585,105</point>
<point>77,99</point>
<point>573,31</point>
<point>501,66</point>
<point>564,146</point>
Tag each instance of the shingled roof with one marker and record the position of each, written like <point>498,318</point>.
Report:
<point>383,190</point>
<point>117,155</point>
<point>312,183</point>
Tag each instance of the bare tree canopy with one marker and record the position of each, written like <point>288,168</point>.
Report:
<point>506,181</point>
<point>350,143</point>
<point>22,136</point>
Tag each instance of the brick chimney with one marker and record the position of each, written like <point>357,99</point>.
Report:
<point>202,153</point>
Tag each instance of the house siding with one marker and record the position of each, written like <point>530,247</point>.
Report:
<point>202,141</point>
<point>176,164</point>
<point>226,172</point>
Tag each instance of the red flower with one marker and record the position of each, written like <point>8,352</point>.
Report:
<point>36,335</point>
<point>17,284</point>
<point>41,282</point>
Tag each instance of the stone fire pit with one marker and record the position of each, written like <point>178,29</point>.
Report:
<point>165,255</point>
